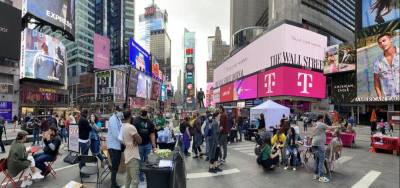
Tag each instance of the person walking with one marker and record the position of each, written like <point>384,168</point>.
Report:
<point>184,128</point>
<point>114,144</point>
<point>212,132</point>
<point>197,137</point>
<point>223,127</point>
<point>84,130</point>
<point>146,130</point>
<point>15,122</point>
<point>2,129</point>
<point>95,139</point>
<point>131,140</point>
<point>318,146</point>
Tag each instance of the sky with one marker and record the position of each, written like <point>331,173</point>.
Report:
<point>200,16</point>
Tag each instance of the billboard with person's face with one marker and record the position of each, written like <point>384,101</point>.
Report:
<point>376,12</point>
<point>139,58</point>
<point>59,13</point>
<point>340,58</point>
<point>10,32</point>
<point>43,57</point>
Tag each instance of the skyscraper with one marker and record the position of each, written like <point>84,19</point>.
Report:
<point>160,47</point>
<point>219,51</point>
<point>189,44</point>
<point>116,19</point>
<point>210,41</point>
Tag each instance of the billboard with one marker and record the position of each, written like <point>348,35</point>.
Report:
<point>343,89</point>
<point>155,69</point>
<point>340,58</point>
<point>6,110</point>
<point>101,54</point>
<point>103,83</point>
<point>377,12</point>
<point>289,81</point>
<point>143,86</point>
<point>139,58</point>
<point>10,32</point>
<point>291,45</point>
<point>163,92</point>
<point>226,93</point>
<point>216,95</point>
<point>155,91</point>
<point>59,13</point>
<point>133,81</point>
<point>209,95</point>
<point>43,57</point>
<point>245,88</point>
<point>119,86</point>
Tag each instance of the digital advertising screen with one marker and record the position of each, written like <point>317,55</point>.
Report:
<point>101,53</point>
<point>10,32</point>
<point>6,110</point>
<point>289,81</point>
<point>59,13</point>
<point>245,88</point>
<point>343,88</point>
<point>155,91</point>
<point>377,12</point>
<point>103,82</point>
<point>119,86</point>
<point>226,93</point>
<point>139,58</point>
<point>340,58</point>
<point>42,57</point>
<point>143,86</point>
<point>163,92</point>
<point>155,69</point>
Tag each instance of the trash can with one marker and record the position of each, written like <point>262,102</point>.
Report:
<point>157,177</point>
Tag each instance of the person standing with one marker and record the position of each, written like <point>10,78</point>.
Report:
<point>223,127</point>
<point>84,130</point>
<point>373,121</point>
<point>63,131</point>
<point>2,129</point>
<point>197,137</point>
<point>114,145</point>
<point>261,122</point>
<point>184,128</point>
<point>131,140</point>
<point>147,132</point>
<point>95,138</point>
<point>36,131</point>
<point>15,122</point>
<point>318,146</point>
<point>214,143</point>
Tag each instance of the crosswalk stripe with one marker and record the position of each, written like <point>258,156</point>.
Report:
<point>207,174</point>
<point>367,180</point>
<point>246,150</point>
<point>344,159</point>
<point>243,146</point>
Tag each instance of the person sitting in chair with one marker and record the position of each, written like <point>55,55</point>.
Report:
<point>52,144</point>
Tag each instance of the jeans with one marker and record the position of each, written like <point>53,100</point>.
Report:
<point>240,130</point>
<point>84,148</point>
<point>1,142</point>
<point>40,159</point>
<point>144,151</point>
<point>291,152</point>
<point>319,152</point>
<point>63,134</point>
<point>115,156</point>
<point>224,144</point>
<point>132,173</point>
<point>36,137</point>
<point>95,149</point>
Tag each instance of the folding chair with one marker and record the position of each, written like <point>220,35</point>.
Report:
<point>8,178</point>
<point>50,169</point>
<point>89,169</point>
<point>107,169</point>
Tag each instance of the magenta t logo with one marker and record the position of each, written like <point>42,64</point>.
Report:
<point>304,80</point>
<point>269,80</point>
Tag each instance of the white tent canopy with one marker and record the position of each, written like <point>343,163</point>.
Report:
<point>272,113</point>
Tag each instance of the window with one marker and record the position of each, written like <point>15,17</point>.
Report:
<point>73,70</point>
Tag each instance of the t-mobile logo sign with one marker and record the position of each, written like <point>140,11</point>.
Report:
<point>269,81</point>
<point>304,80</point>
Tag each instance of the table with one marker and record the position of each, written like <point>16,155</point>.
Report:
<point>383,142</point>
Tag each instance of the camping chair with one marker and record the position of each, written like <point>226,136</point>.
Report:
<point>89,169</point>
<point>8,178</point>
<point>107,166</point>
<point>50,169</point>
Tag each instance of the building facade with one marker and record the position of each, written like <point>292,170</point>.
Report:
<point>116,19</point>
<point>219,51</point>
<point>189,46</point>
<point>160,47</point>
<point>153,19</point>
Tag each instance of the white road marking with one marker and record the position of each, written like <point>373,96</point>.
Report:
<point>239,147</point>
<point>207,174</point>
<point>344,159</point>
<point>367,180</point>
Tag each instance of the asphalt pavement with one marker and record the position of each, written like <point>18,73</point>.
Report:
<point>356,168</point>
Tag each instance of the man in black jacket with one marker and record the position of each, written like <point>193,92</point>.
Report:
<point>84,130</point>
<point>52,144</point>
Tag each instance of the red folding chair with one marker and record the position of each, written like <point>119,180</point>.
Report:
<point>50,169</point>
<point>7,177</point>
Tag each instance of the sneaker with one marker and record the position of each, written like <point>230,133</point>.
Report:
<point>26,183</point>
<point>212,170</point>
<point>294,169</point>
<point>315,177</point>
<point>218,169</point>
<point>195,157</point>
<point>37,176</point>
<point>323,180</point>
<point>285,168</point>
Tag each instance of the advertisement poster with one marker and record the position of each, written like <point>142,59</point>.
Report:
<point>216,95</point>
<point>6,110</point>
<point>226,93</point>
<point>101,54</point>
<point>289,81</point>
<point>10,32</point>
<point>103,82</point>
<point>343,89</point>
<point>73,141</point>
<point>60,13</point>
<point>377,44</point>
<point>376,12</point>
<point>245,88</point>
<point>209,95</point>
<point>143,86</point>
<point>155,91</point>
<point>119,86</point>
<point>43,57</point>
<point>340,58</point>
<point>163,92</point>
<point>155,69</point>
<point>133,82</point>
<point>139,58</point>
